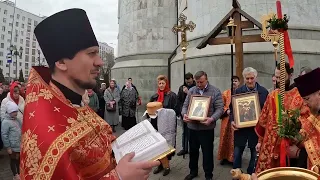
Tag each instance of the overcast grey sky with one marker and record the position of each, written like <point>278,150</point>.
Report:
<point>103,14</point>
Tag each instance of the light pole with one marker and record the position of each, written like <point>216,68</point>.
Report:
<point>39,59</point>
<point>9,63</point>
<point>231,33</point>
<point>14,51</point>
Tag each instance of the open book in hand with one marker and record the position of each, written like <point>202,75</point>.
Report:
<point>144,140</point>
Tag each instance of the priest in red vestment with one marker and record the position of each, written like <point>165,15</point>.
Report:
<point>226,143</point>
<point>269,141</point>
<point>309,88</point>
<point>61,137</point>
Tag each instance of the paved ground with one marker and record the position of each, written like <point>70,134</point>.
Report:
<point>179,166</point>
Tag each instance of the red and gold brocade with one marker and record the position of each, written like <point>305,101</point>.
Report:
<point>226,144</point>
<point>311,131</point>
<point>59,140</point>
<point>267,132</point>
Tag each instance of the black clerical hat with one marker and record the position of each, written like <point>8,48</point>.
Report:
<point>64,34</point>
<point>308,83</point>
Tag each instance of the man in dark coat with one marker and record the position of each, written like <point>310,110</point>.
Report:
<point>182,94</point>
<point>244,135</point>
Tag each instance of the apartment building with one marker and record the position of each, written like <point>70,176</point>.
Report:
<point>16,29</point>
<point>103,49</point>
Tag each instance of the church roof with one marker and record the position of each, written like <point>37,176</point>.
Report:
<point>221,25</point>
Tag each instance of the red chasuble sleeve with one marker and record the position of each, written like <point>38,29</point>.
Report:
<point>263,119</point>
<point>60,141</point>
<point>311,132</point>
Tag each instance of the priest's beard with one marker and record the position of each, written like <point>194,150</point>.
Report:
<point>85,85</point>
<point>287,84</point>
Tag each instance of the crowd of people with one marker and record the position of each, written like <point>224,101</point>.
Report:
<point>60,127</point>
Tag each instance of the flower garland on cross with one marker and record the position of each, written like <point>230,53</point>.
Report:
<point>288,124</point>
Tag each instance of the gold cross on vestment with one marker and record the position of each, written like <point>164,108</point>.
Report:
<point>51,128</point>
<point>183,27</point>
<point>56,109</point>
<point>31,114</point>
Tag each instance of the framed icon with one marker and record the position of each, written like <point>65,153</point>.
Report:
<point>198,107</point>
<point>246,109</point>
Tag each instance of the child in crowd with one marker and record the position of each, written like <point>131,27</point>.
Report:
<point>11,136</point>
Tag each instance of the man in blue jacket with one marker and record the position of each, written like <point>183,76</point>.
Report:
<point>244,135</point>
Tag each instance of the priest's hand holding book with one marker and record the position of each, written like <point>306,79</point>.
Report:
<point>138,150</point>
<point>128,170</point>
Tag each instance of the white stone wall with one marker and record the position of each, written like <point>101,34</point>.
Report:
<point>146,40</point>
<point>207,13</point>
<point>304,33</point>
<point>145,26</point>
<point>145,43</point>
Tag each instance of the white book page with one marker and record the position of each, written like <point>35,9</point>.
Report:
<point>140,141</point>
<point>137,131</point>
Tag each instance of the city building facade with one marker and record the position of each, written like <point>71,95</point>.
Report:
<point>17,27</point>
<point>105,49</point>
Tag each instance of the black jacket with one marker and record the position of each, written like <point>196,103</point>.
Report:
<point>182,96</point>
<point>134,87</point>
<point>241,136</point>
<point>170,101</point>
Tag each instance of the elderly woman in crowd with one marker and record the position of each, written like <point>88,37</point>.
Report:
<point>93,100</point>
<point>112,97</point>
<point>102,103</point>
<point>128,104</point>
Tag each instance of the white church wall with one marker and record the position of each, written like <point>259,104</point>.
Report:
<point>207,13</point>
<point>304,34</point>
<point>145,26</point>
<point>145,42</point>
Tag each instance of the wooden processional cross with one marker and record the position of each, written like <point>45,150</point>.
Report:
<point>239,39</point>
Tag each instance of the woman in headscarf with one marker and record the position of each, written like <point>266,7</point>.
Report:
<point>128,106</point>
<point>14,96</point>
<point>169,101</point>
<point>112,97</point>
<point>165,95</point>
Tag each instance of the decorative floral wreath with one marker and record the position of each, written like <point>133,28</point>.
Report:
<point>278,24</point>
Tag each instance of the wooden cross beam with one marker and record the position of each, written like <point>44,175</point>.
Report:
<point>244,25</point>
<point>239,45</point>
<point>236,13</point>
<point>244,39</point>
<point>239,39</point>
